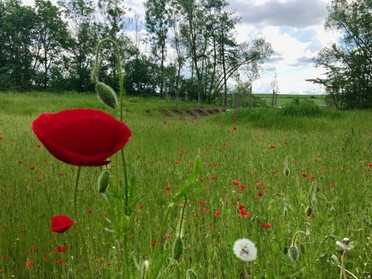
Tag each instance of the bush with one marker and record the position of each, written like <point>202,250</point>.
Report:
<point>306,108</point>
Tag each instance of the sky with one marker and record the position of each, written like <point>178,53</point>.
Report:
<point>295,29</point>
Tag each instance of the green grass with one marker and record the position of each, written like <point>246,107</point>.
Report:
<point>284,99</point>
<point>328,155</point>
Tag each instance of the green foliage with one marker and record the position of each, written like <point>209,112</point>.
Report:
<point>332,150</point>
<point>348,63</point>
<point>305,108</point>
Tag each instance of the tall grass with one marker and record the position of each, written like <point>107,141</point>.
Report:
<point>328,157</point>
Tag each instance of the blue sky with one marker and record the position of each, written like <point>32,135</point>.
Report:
<point>295,29</point>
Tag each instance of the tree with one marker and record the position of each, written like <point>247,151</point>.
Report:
<point>81,45</point>
<point>348,64</point>
<point>17,33</point>
<point>50,37</point>
<point>158,22</point>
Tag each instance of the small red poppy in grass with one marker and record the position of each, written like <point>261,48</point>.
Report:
<point>29,263</point>
<point>60,261</point>
<point>61,249</point>
<point>153,243</point>
<point>61,223</point>
<point>140,206</point>
<point>235,182</point>
<point>266,225</point>
<point>81,137</point>
<point>217,213</point>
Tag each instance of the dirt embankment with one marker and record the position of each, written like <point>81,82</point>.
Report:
<point>191,113</point>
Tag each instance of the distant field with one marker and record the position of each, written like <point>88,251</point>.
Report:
<point>293,185</point>
<point>283,99</point>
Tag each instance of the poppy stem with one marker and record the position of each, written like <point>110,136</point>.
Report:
<point>76,190</point>
<point>126,184</point>
<point>118,63</point>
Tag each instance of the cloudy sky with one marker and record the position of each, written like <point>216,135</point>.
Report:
<point>295,29</point>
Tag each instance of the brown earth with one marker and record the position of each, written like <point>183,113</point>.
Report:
<point>191,113</point>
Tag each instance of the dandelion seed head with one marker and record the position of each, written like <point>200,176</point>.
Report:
<point>245,250</point>
<point>345,245</point>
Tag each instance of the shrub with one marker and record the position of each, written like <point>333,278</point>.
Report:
<point>306,108</point>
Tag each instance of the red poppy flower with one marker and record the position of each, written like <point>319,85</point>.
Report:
<point>61,249</point>
<point>61,223</point>
<point>81,137</point>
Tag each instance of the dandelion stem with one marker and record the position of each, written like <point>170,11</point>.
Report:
<point>342,270</point>
<point>245,269</point>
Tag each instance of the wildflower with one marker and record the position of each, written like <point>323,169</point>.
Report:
<point>235,182</point>
<point>81,137</point>
<point>345,245</point>
<point>61,249</point>
<point>60,261</point>
<point>217,213</point>
<point>293,253</point>
<point>29,263</point>
<point>61,223</point>
<point>245,250</point>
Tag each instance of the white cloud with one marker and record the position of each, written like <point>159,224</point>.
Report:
<point>293,27</point>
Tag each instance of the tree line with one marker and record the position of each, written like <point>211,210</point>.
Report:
<point>192,53</point>
<point>348,63</point>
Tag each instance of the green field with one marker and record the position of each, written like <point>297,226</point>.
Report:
<point>244,156</point>
<point>285,99</point>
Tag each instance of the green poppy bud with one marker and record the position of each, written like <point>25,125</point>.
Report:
<point>177,248</point>
<point>293,253</point>
<point>287,171</point>
<point>103,181</point>
<point>106,94</point>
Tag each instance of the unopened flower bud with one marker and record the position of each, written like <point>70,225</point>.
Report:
<point>106,94</point>
<point>177,248</point>
<point>287,171</point>
<point>293,253</point>
<point>103,181</point>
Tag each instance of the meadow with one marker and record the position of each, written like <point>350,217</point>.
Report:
<point>278,179</point>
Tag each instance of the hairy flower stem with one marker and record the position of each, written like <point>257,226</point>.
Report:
<point>182,215</point>
<point>155,267</point>
<point>76,190</point>
<point>82,240</point>
<point>121,97</point>
<point>118,63</point>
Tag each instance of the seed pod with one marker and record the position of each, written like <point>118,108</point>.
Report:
<point>177,248</point>
<point>103,181</point>
<point>106,94</point>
